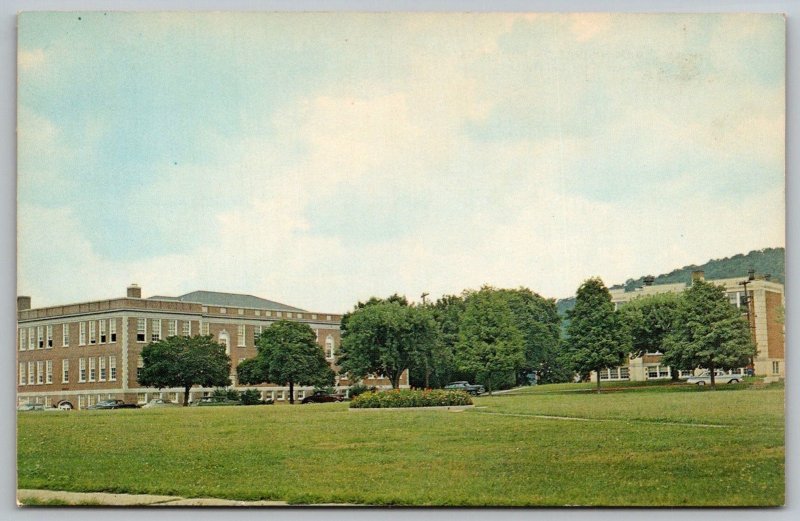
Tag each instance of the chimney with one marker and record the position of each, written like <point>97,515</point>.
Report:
<point>698,276</point>
<point>751,274</point>
<point>134,291</point>
<point>648,280</point>
<point>23,303</point>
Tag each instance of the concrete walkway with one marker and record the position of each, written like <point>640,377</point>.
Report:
<point>60,497</point>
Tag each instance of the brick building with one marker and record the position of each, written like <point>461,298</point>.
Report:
<point>91,351</point>
<point>759,299</point>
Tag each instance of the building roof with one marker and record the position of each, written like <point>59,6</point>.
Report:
<point>230,300</point>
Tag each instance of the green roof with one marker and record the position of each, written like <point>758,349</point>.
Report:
<point>228,300</point>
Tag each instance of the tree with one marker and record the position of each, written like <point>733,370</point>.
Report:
<point>490,345</point>
<point>709,332</point>
<point>649,320</point>
<point>386,337</point>
<point>288,354</point>
<point>184,362</point>
<point>438,365</point>
<point>596,336</point>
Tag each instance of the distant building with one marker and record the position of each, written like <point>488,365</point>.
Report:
<point>761,305</point>
<point>86,352</point>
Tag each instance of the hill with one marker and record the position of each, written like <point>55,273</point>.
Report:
<point>767,261</point>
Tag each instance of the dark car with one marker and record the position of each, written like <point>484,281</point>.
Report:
<point>466,387</point>
<point>322,397</point>
<point>113,404</point>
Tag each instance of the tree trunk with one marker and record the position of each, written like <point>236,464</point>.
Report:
<point>186,395</point>
<point>713,370</point>
<point>395,379</point>
<point>291,392</point>
<point>598,379</point>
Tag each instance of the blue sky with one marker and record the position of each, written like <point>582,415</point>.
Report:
<point>319,159</point>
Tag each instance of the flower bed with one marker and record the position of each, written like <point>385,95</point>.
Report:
<point>410,398</point>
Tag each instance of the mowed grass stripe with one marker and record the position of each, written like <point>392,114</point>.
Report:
<point>316,454</point>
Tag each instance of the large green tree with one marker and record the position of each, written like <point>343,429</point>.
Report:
<point>438,366</point>
<point>709,332</point>
<point>596,336</point>
<point>288,354</point>
<point>386,337</point>
<point>184,362</point>
<point>649,320</point>
<point>490,345</point>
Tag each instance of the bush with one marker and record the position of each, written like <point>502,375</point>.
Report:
<point>410,398</point>
<point>358,388</point>
<point>250,397</point>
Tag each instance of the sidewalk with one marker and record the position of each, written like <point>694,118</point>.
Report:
<point>59,497</point>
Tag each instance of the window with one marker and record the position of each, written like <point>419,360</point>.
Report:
<point>112,368</point>
<point>49,337</point>
<point>288,314</point>
<point>278,314</point>
<point>39,372</point>
<point>65,371</point>
<point>103,335</point>
<point>241,312</point>
<point>329,345</point>
<point>327,317</point>
<point>22,339</point>
<point>299,315</point>
<point>92,332</point>
<point>268,313</point>
<point>223,310</point>
<point>31,376</point>
<point>240,335</point>
<point>101,365</point>
<point>139,367</point>
<point>141,330</point>
<point>82,373</point>
<point>81,401</point>
<point>313,316</point>
<point>22,373</point>
<point>204,328</point>
<point>155,335</point>
<point>31,340</point>
<point>112,330</point>
<point>82,335</point>
<point>49,371</point>
<point>776,368</point>
<point>92,369</point>
<point>39,337</point>
<point>65,335</point>
<point>172,328</point>
<point>257,330</point>
<point>258,312</point>
<point>187,328</point>
<point>658,371</point>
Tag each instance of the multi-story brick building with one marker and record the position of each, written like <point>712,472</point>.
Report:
<point>759,299</point>
<point>91,351</point>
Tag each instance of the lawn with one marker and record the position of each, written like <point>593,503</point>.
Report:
<point>546,446</point>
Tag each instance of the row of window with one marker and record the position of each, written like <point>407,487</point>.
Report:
<point>268,313</point>
<point>92,369</point>
<point>41,337</point>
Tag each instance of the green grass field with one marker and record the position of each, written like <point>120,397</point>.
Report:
<point>546,446</point>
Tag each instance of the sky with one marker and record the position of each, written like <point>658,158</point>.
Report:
<point>321,159</point>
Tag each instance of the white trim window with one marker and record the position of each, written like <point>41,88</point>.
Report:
<point>112,329</point>
<point>329,347</point>
<point>39,372</point>
<point>92,369</point>
<point>31,375</point>
<point>49,344</point>
<point>139,367</point>
<point>82,370</point>
<point>172,328</point>
<point>103,336</point>
<point>65,334</point>
<point>82,334</point>
<point>112,368</point>
<point>187,328</point>
<point>155,335</point>
<point>141,330</point>
<point>22,339</point>
<point>31,339</point>
<point>92,332</point>
<point>65,371</point>
<point>39,337</point>
<point>101,366</point>
<point>257,330</point>
<point>204,327</point>
<point>48,371</point>
<point>240,336</point>
<point>22,373</point>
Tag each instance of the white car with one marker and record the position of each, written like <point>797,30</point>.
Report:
<point>719,378</point>
<point>159,402</point>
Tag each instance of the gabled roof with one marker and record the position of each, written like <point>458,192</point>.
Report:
<point>229,300</point>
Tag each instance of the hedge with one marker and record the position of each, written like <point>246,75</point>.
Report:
<point>410,398</point>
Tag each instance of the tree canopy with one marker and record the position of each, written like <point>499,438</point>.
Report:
<point>179,361</point>
<point>649,320</point>
<point>596,337</point>
<point>288,354</point>
<point>386,337</point>
<point>709,332</point>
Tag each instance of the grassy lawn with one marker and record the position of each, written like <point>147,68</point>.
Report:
<point>549,445</point>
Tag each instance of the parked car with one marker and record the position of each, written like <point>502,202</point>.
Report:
<point>322,397</point>
<point>113,404</point>
<point>159,402</point>
<point>704,378</point>
<point>466,387</point>
<point>31,407</point>
<point>64,405</point>
<point>207,401</point>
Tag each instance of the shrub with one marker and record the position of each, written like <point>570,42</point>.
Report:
<point>250,397</point>
<point>359,388</point>
<point>410,398</point>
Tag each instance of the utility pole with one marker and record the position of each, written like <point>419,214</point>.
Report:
<point>751,275</point>
<point>423,298</point>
